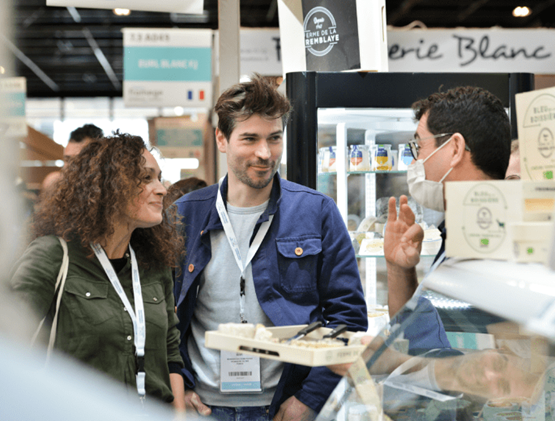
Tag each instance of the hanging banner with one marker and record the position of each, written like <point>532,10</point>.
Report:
<point>328,35</point>
<point>170,6</point>
<point>13,93</point>
<point>472,50</point>
<point>167,67</point>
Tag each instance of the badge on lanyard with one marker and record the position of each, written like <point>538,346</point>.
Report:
<point>239,373</point>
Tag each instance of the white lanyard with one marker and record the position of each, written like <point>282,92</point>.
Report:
<point>232,239</point>
<point>137,315</point>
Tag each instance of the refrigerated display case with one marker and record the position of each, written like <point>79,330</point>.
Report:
<point>333,112</point>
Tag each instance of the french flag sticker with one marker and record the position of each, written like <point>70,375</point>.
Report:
<point>201,95</point>
<point>190,95</point>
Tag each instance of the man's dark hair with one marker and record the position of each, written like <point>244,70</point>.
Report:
<point>182,187</point>
<point>479,116</point>
<point>87,131</point>
<point>241,101</point>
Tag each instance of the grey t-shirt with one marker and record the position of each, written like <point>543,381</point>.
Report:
<point>218,302</point>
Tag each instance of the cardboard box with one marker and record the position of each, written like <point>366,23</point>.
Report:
<point>530,241</point>
<point>536,132</point>
<point>477,214</point>
<point>506,220</point>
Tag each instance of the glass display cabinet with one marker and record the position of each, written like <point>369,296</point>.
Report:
<point>347,137</point>
<point>499,365</point>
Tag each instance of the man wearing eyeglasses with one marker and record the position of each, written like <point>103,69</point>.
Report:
<point>463,134</point>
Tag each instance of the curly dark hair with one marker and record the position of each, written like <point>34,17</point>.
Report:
<point>93,193</point>
<point>479,116</point>
<point>259,96</point>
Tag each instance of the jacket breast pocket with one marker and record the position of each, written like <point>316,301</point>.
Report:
<point>88,300</point>
<point>156,316</point>
<point>298,263</point>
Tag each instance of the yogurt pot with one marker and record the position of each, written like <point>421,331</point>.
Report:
<point>328,158</point>
<point>359,158</point>
<point>405,157</point>
<point>381,158</point>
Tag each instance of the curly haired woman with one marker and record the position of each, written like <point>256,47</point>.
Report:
<point>117,308</point>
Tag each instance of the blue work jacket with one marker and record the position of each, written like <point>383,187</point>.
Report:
<point>304,271</point>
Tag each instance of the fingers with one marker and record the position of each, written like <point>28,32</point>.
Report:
<point>414,234</point>
<point>405,212</point>
<point>365,340</point>
<point>391,210</point>
<point>195,402</point>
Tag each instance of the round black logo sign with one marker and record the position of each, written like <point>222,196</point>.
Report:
<point>320,31</point>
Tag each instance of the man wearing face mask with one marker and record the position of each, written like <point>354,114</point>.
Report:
<point>463,134</point>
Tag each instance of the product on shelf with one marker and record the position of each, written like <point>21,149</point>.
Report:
<point>359,158</point>
<point>381,158</point>
<point>405,157</point>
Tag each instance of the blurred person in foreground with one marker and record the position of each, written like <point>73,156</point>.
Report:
<point>117,307</point>
<point>293,264</point>
<point>489,374</point>
<point>181,188</point>
<point>78,139</point>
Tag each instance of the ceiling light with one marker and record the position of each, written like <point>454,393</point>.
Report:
<point>2,70</point>
<point>122,12</point>
<point>521,12</point>
<point>178,111</point>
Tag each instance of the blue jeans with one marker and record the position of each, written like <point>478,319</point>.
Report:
<point>241,413</point>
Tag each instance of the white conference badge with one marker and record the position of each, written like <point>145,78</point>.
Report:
<point>239,373</point>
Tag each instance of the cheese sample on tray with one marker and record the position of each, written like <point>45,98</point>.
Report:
<point>272,342</point>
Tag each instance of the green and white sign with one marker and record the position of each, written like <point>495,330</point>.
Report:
<point>13,92</point>
<point>536,131</point>
<point>167,67</point>
<point>485,218</point>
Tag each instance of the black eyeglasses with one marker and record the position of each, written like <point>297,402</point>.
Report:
<point>415,147</point>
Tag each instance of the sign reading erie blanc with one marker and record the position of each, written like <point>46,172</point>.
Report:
<point>472,50</point>
<point>167,67</point>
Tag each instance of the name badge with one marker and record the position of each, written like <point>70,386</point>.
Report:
<point>239,373</point>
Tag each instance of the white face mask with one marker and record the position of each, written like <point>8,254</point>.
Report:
<point>426,192</point>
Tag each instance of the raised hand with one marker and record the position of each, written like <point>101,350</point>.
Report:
<point>403,237</point>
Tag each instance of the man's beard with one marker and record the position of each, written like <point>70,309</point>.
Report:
<point>258,184</point>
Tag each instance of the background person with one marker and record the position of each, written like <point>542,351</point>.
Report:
<point>513,170</point>
<point>78,139</point>
<point>303,266</point>
<point>108,207</point>
<point>182,187</point>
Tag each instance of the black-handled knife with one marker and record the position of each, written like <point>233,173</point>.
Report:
<point>335,332</point>
<point>304,331</point>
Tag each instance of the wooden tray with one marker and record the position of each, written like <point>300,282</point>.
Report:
<point>312,357</point>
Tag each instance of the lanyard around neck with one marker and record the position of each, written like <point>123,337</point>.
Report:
<point>233,243</point>
<point>137,315</point>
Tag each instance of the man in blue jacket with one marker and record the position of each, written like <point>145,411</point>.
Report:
<point>263,250</point>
